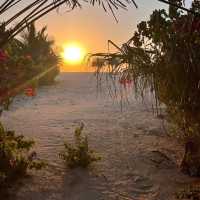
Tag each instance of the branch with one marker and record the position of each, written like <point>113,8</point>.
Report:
<point>177,6</point>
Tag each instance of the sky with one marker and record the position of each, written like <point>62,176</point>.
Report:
<point>91,27</point>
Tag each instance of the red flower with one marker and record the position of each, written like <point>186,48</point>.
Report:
<point>195,25</point>
<point>125,81</point>
<point>3,56</point>
<point>29,57</point>
<point>30,92</point>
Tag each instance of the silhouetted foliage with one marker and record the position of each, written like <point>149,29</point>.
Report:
<point>164,55</point>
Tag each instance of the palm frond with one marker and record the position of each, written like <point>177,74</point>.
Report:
<point>38,8</point>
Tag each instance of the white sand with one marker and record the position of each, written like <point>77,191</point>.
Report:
<point>132,145</point>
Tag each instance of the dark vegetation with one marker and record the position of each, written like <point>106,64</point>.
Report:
<point>79,154</point>
<point>163,56</point>
<point>22,59</point>
<point>16,156</point>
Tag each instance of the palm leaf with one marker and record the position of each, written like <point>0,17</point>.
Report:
<point>38,8</point>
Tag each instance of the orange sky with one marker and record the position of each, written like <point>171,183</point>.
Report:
<point>92,27</point>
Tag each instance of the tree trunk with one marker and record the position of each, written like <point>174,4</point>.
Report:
<point>191,161</point>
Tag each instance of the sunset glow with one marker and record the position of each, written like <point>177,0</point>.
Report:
<point>73,54</point>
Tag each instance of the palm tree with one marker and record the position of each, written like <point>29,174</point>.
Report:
<point>36,44</point>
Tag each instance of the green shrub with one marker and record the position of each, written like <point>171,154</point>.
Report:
<point>78,155</point>
<point>16,156</point>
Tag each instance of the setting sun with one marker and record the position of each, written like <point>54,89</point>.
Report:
<point>73,53</point>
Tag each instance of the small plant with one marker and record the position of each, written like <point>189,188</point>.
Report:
<point>16,156</point>
<point>78,155</point>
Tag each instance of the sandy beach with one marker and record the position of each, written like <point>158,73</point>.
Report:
<point>139,160</point>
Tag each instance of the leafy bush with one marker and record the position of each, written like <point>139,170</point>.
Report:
<point>39,47</point>
<point>16,156</point>
<point>26,57</point>
<point>78,155</point>
<point>163,56</point>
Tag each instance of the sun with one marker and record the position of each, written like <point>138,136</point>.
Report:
<point>73,53</point>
